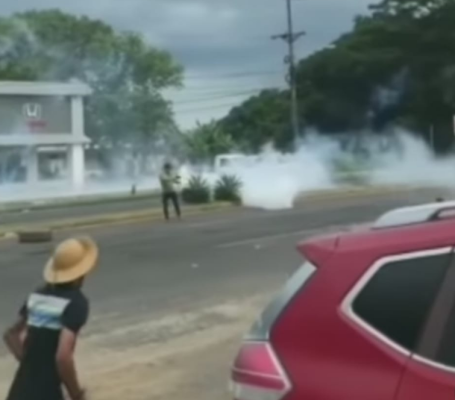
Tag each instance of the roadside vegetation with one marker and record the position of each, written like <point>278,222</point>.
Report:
<point>396,67</point>
<point>198,190</point>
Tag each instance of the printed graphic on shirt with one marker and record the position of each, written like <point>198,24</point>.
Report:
<point>45,311</point>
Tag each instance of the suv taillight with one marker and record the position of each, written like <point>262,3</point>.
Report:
<point>257,374</point>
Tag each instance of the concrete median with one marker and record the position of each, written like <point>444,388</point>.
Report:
<point>348,192</point>
<point>311,195</point>
<point>40,228</point>
<point>88,200</point>
<point>372,192</point>
<point>44,204</point>
<point>133,214</point>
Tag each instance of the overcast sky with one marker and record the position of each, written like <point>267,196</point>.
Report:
<point>224,45</point>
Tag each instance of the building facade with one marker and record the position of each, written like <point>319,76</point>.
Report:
<point>40,124</point>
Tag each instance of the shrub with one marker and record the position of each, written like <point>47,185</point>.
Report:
<point>350,171</point>
<point>355,178</point>
<point>228,189</point>
<point>196,191</point>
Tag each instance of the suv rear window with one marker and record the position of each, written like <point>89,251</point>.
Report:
<point>261,328</point>
<point>398,298</point>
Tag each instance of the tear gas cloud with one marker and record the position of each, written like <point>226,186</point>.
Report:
<point>275,180</point>
<point>272,180</point>
<point>413,162</point>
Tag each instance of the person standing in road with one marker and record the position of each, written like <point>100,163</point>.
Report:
<point>44,336</point>
<point>169,182</point>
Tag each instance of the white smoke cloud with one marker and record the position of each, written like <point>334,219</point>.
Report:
<point>273,180</point>
<point>413,164</point>
<point>21,41</point>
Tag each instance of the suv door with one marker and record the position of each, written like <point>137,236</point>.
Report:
<point>430,372</point>
<point>390,306</point>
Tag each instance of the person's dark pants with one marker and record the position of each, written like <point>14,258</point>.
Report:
<point>174,198</point>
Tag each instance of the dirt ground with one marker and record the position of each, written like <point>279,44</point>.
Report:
<point>182,356</point>
<point>171,303</point>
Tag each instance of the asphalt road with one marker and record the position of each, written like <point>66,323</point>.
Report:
<point>170,301</point>
<point>140,204</point>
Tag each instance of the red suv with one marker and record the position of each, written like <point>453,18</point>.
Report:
<point>369,316</point>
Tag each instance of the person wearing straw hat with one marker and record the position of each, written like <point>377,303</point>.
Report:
<point>44,337</point>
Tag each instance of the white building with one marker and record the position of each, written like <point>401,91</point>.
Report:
<point>38,119</point>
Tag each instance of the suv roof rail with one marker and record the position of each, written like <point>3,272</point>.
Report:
<point>413,214</point>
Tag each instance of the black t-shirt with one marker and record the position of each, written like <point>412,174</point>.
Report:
<point>47,311</point>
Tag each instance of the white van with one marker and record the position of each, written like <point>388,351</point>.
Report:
<point>226,161</point>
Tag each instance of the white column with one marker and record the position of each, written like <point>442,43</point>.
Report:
<point>32,165</point>
<point>76,154</point>
<point>76,161</point>
<point>77,116</point>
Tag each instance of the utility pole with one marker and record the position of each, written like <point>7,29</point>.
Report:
<point>290,38</point>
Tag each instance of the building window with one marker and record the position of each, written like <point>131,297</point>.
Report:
<point>397,300</point>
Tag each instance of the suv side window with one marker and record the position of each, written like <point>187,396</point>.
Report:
<point>397,300</point>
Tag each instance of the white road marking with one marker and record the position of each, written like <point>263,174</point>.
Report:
<point>255,240</point>
<point>259,240</point>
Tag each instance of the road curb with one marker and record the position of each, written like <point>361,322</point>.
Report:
<point>13,231</point>
<point>119,218</point>
<point>11,207</point>
<point>331,193</point>
<point>365,192</point>
<point>35,236</point>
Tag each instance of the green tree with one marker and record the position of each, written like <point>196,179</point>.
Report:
<point>261,120</point>
<point>206,141</point>
<point>126,74</point>
<point>396,66</point>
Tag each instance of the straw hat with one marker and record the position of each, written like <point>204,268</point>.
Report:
<point>72,259</point>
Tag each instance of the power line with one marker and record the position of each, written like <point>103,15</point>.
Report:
<point>207,108</point>
<point>201,96</point>
<point>209,90</point>
<point>232,75</point>
<point>218,97</point>
<point>217,89</point>
<point>217,106</point>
